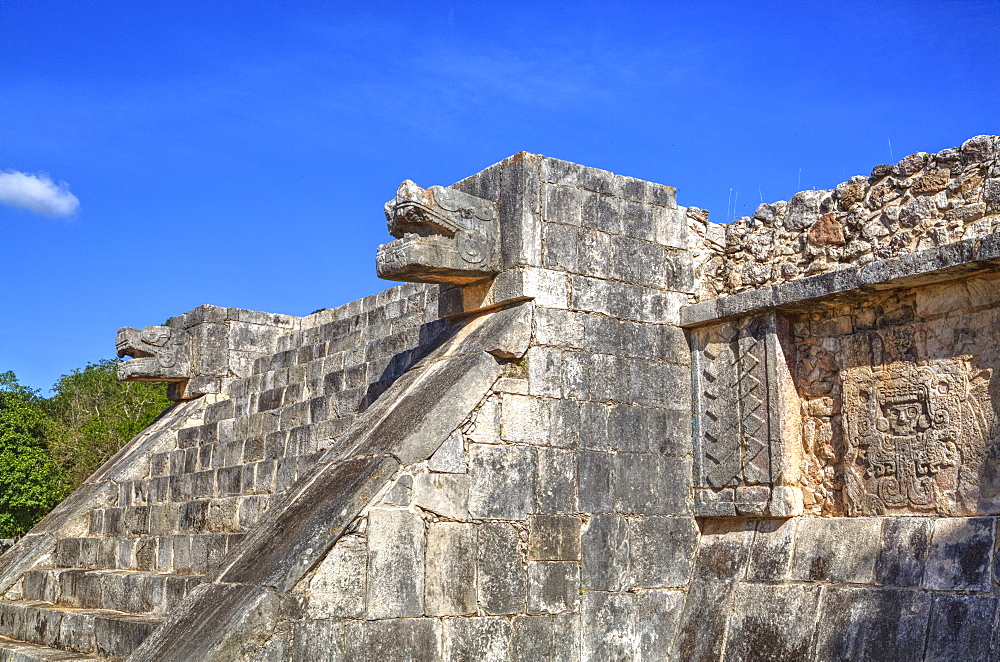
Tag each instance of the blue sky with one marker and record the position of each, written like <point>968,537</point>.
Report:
<point>239,154</point>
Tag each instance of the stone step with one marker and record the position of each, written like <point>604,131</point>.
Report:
<point>21,651</point>
<point>249,476</point>
<point>101,632</point>
<point>121,590</point>
<point>214,515</point>
<point>187,554</point>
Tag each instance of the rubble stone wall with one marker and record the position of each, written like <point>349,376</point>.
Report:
<point>924,201</point>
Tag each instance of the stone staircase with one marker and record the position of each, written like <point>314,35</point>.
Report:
<point>188,500</point>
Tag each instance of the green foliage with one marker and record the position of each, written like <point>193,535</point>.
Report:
<point>94,415</point>
<point>48,447</point>
<point>31,482</point>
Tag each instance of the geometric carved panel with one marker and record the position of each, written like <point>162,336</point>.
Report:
<point>737,427</point>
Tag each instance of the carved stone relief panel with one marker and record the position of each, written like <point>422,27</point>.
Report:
<point>738,373</point>
<point>900,402</point>
<point>904,425</point>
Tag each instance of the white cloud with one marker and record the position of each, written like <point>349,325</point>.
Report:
<point>37,193</point>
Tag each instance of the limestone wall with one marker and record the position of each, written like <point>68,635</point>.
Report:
<point>567,459</point>
<point>924,201</point>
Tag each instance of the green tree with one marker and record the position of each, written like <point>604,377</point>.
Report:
<point>31,481</point>
<point>94,415</point>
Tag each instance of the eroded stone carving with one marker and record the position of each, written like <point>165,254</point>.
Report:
<point>904,435</point>
<point>158,353</point>
<point>739,456</point>
<point>444,236</point>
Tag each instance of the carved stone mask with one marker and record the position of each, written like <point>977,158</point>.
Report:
<point>158,353</point>
<point>444,236</point>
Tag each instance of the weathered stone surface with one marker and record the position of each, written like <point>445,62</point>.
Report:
<point>701,633</point>
<point>553,587</point>
<point>872,624</point>
<point>905,543</point>
<point>416,639</point>
<point>962,627</point>
<point>443,494</point>
<point>661,551</point>
<point>554,538</point>
<point>842,550</point>
<point>503,480</point>
<point>395,564</point>
<point>450,456</point>
<point>605,553</point>
<point>959,555</point>
<point>502,583</point>
<point>337,587</point>
<point>771,550</point>
<point>450,573</point>
<point>657,615</point>
<point>485,638</point>
<point>531,639</point>
<point>609,626</point>
<point>773,623</point>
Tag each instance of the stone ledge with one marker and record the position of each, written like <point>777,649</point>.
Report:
<point>955,260</point>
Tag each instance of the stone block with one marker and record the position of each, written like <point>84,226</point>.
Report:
<point>609,378</point>
<point>594,473</point>
<point>336,588</point>
<point>590,294</point>
<point>609,628</point>
<point>605,552</point>
<point>669,432</point>
<point>594,426</point>
<point>395,564</point>
<point>959,555</point>
<point>450,455</point>
<point>560,243</point>
<point>723,550</point>
<point>559,328</point>
<point>450,571</point>
<point>554,538</point>
<point>657,615</point>
<point>411,639</point>
<point>555,488</point>
<point>627,429</point>
<point>661,551</point>
<point>836,550</point>
<point>503,481</point>
<point>502,586</point>
<point>562,204</point>
<point>602,212</point>
<point>486,423</point>
<point>871,625</point>
<point>553,587</point>
<point>524,420</point>
<point>701,633</point>
<point>531,639</point>
<point>401,492</point>
<point>444,494</point>
<point>564,430</point>
<point>603,334</point>
<point>566,635</point>
<point>962,627</point>
<point>485,639</point>
<point>771,622</point>
<point>636,482</point>
<point>905,542</point>
<point>545,371</point>
<point>771,550</point>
